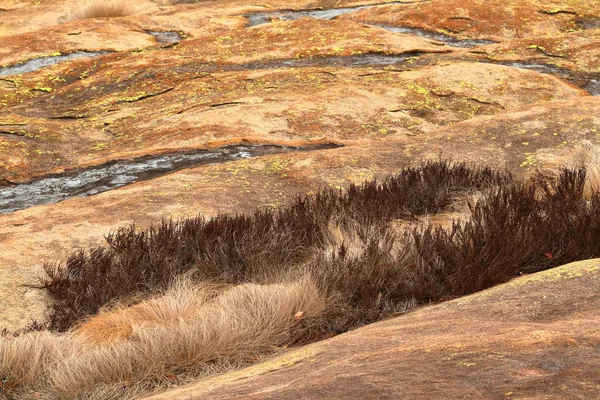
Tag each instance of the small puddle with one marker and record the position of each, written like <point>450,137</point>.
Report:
<point>168,37</point>
<point>38,63</point>
<point>360,60</point>
<point>589,82</point>
<point>440,37</point>
<point>94,180</point>
<point>588,24</point>
<point>355,61</point>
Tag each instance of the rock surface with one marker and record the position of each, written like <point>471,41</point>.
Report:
<point>533,338</point>
<point>392,97</point>
<point>486,19</point>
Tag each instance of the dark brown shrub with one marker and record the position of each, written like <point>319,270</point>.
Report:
<point>240,248</point>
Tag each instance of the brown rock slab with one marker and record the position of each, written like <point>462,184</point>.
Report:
<point>527,138</point>
<point>286,82</point>
<point>88,35</point>
<point>535,337</point>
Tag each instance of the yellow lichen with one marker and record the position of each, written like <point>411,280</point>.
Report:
<point>277,165</point>
<point>465,364</point>
<point>530,160</point>
<point>100,146</point>
<point>418,89</point>
<point>535,46</point>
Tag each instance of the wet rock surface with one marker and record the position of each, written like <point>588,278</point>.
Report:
<point>259,18</point>
<point>38,63</point>
<point>94,180</point>
<point>395,84</point>
<point>167,37</point>
<point>159,108</point>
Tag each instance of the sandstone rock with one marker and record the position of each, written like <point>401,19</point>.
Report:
<point>575,51</point>
<point>573,56</point>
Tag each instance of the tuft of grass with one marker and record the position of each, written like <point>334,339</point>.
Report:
<point>191,329</point>
<point>26,360</point>
<point>180,302</point>
<point>584,155</point>
<point>105,9</point>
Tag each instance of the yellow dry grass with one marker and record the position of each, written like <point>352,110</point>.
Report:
<point>584,155</point>
<point>105,9</point>
<point>182,301</point>
<point>189,330</point>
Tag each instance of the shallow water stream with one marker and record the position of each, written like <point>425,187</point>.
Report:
<point>328,14</point>
<point>440,37</point>
<point>589,82</point>
<point>94,180</point>
<point>38,63</point>
<point>359,60</point>
<point>167,37</point>
<point>261,18</point>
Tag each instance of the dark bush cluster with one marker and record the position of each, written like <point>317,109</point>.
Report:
<point>513,228</point>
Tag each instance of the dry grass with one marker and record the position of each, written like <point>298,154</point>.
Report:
<point>348,236</point>
<point>27,361</point>
<point>189,330</point>
<point>182,302</point>
<point>105,9</point>
<point>584,155</point>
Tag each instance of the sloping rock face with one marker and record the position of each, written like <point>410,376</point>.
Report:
<point>533,338</point>
<point>502,83</point>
